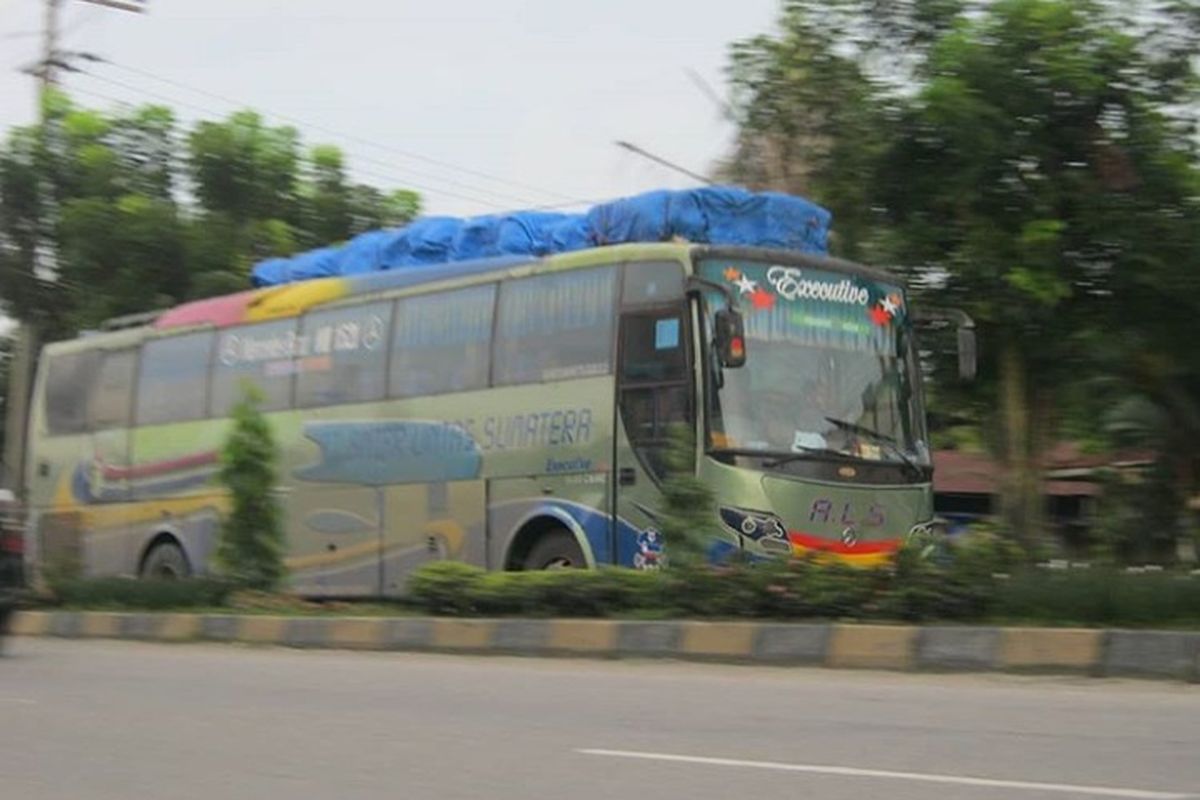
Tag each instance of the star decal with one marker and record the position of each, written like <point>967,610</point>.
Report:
<point>889,306</point>
<point>762,300</point>
<point>746,286</point>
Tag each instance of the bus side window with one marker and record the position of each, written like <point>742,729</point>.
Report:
<point>173,380</point>
<point>261,353</point>
<point>343,355</point>
<point>555,326</point>
<point>69,381</point>
<point>111,399</point>
<point>442,342</point>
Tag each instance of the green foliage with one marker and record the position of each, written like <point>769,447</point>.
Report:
<point>1035,162</point>
<point>801,589</point>
<point>91,226</point>
<point>1099,596</point>
<point>250,547</point>
<point>688,504</point>
<point>972,585</point>
<point>1138,518</point>
<point>135,594</point>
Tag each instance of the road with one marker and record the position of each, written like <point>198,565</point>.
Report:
<point>93,720</point>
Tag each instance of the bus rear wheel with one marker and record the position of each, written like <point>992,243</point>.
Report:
<point>556,550</point>
<point>165,561</point>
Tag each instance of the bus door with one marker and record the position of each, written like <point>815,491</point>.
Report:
<point>110,409</point>
<point>654,396</point>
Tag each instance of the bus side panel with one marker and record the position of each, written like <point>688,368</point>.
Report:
<point>578,503</point>
<point>172,484</point>
<point>58,520</point>
<point>547,451</point>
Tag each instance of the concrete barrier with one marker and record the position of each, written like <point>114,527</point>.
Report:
<point>1152,654</point>
<point>1051,649</point>
<point>1147,654</point>
<point>871,646</point>
<point>958,648</point>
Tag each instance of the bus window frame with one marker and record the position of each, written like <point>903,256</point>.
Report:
<point>614,315</point>
<point>135,417</point>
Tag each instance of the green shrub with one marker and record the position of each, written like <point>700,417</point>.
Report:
<point>688,503</point>
<point>251,543</point>
<point>145,595</point>
<point>914,588</point>
<point>1099,596</point>
<point>445,587</point>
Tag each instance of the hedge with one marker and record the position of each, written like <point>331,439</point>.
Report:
<point>134,594</point>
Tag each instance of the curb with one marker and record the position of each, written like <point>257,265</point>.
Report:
<point>1101,653</point>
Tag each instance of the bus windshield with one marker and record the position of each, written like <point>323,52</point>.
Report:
<point>829,370</point>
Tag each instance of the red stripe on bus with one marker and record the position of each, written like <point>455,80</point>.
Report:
<point>811,542</point>
<point>116,473</point>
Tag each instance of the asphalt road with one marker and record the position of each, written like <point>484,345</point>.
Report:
<point>91,719</point>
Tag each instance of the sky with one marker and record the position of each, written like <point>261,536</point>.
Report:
<point>480,105</point>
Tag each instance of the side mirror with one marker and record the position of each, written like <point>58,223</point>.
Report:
<point>968,349</point>
<point>967,353</point>
<point>730,338</point>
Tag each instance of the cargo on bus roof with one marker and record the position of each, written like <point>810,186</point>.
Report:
<point>708,215</point>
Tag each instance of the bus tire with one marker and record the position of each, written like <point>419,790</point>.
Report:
<point>165,561</point>
<point>557,549</point>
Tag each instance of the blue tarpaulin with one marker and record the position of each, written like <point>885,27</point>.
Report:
<point>709,215</point>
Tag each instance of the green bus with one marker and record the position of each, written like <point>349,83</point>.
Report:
<point>511,413</point>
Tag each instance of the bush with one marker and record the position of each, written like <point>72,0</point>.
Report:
<point>1099,596</point>
<point>250,547</point>
<point>144,595</point>
<point>445,587</point>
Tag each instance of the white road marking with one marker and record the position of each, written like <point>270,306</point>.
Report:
<point>927,777</point>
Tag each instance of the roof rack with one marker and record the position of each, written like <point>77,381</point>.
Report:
<point>130,320</point>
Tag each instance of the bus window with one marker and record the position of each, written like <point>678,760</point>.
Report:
<point>441,342</point>
<point>655,391</point>
<point>69,379</point>
<point>262,355</point>
<point>342,357</point>
<point>112,396</point>
<point>652,282</point>
<point>173,381</point>
<point>555,326</point>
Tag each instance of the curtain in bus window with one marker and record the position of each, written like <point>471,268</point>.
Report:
<point>261,355</point>
<point>441,342</point>
<point>173,381</point>
<point>341,355</point>
<point>69,381</point>
<point>555,326</point>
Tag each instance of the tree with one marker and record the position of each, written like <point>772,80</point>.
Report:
<point>251,543</point>
<point>1029,160</point>
<point>101,215</point>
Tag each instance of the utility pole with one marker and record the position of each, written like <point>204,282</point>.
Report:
<point>633,148</point>
<point>27,339</point>
<point>46,76</point>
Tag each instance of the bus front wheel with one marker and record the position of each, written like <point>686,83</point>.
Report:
<point>165,561</point>
<point>556,550</point>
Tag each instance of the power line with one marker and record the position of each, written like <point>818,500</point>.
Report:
<point>633,148</point>
<point>395,177</point>
<point>347,136</point>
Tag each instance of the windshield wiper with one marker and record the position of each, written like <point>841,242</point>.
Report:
<point>892,445</point>
<point>781,457</point>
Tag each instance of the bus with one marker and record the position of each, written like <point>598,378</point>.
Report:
<point>512,413</point>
